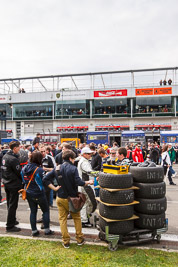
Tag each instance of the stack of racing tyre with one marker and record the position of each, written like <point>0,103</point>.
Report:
<point>151,196</point>
<point>116,203</point>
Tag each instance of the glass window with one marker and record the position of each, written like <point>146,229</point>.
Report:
<point>31,110</point>
<point>72,107</point>
<point>6,110</point>
<point>110,106</point>
<point>153,104</point>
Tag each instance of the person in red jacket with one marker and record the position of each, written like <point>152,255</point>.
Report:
<point>137,154</point>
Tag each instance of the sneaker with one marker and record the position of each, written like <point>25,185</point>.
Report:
<point>13,229</point>
<point>66,245</point>
<point>87,225</point>
<point>172,183</point>
<point>36,233</point>
<point>50,232</point>
<point>174,175</point>
<point>81,243</point>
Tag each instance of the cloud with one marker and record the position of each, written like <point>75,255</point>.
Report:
<point>54,36</point>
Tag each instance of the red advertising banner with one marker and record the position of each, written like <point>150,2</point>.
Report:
<point>110,93</point>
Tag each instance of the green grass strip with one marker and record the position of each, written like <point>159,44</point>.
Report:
<point>27,252</point>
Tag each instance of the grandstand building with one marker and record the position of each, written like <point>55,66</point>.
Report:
<point>71,104</point>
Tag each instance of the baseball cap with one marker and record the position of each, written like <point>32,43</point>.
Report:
<point>86,150</point>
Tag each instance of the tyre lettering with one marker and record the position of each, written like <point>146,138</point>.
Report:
<point>154,207</point>
<point>151,222</point>
<point>154,175</point>
<point>128,196</point>
<point>157,190</point>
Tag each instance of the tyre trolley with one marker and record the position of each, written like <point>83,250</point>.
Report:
<point>134,237</point>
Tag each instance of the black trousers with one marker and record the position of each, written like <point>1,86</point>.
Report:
<point>12,197</point>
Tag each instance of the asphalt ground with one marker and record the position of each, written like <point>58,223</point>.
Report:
<point>168,240</point>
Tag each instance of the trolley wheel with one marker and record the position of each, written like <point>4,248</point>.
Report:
<point>158,237</point>
<point>111,248</point>
<point>101,236</point>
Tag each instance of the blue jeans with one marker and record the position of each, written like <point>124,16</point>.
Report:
<point>51,198</point>
<point>33,203</point>
<point>171,170</point>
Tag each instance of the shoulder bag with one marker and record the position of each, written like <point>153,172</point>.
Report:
<point>24,190</point>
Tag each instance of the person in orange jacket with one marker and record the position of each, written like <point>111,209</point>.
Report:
<point>137,154</point>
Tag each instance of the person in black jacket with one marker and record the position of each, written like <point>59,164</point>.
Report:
<point>1,155</point>
<point>58,158</point>
<point>36,139</point>
<point>69,187</point>
<point>13,183</point>
<point>96,164</point>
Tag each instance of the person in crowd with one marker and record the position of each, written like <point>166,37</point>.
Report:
<point>144,152</point>
<point>113,156</point>
<point>165,109</point>
<point>5,149</point>
<point>172,155</point>
<point>122,156</point>
<point>169,81</point>
<point>1,156</point>
<point>161,82</point>
<point>103,155</point>
<point>47,165</point>
<point>27,148</point>
<point>96,164</point>
<point>129,152</point>
<point>35,147</point>
<point>164,82</point>
<point>58,158</point>
<point>81,145</point>
<point>166,163</point>
<point>137,154</point>
<point>49,154</point>
<point>59,149</point>
<point>70,182</point>
<point>100,146</point>
<point>115,145</point>
<point>106,148</point>
<point>36,192</point>
<point>154,154</point>
<point>13,183</point>
<point>36,139</point>
<point>176,150</point>
<point>23,91</point>
<point>85,171</point>
<point>53,150</point>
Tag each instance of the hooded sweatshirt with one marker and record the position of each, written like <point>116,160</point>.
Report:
<point>36,187</point>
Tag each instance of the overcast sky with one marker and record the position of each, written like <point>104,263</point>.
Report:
<point>48,37</point>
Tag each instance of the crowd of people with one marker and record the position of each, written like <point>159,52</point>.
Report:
<point>37,168</point>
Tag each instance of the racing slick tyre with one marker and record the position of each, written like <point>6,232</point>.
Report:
<point>150,191</point>
<point>115,181</point>
<point>116,213</point>
<point>147,174</point>
<point>151,222</point>
<point>121,227</point>
<point>151,206</point>
<point>118,197</point>
<point>91,196</point>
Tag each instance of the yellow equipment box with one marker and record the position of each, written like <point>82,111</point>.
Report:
<point>114,169</point>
